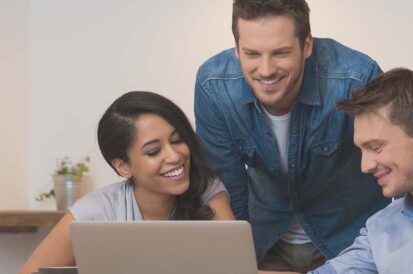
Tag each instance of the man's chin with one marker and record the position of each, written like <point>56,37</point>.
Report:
<point>391,193</point>
<point>386,192</point>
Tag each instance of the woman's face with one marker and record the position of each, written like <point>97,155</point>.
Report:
<point>159,159</point>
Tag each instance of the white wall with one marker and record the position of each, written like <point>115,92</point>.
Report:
<point>63,62</point>
<point>380,28</point>
<point>84,54</point>
<point>14,104</point>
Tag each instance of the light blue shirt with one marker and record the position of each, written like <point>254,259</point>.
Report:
<point>385,246</point>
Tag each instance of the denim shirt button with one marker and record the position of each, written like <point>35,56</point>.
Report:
<point>294,131</point>
<point>320,245</point>
<point>292,166</point>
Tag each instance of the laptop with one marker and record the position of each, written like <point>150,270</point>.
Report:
<point>163,247</point>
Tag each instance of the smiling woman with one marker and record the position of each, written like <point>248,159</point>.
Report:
<point>159,160</point>
<point>149,141</point>
<point>146,138</point>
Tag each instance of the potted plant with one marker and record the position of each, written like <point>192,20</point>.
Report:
<point>69,183</point>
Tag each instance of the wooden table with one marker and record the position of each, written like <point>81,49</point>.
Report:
<point>27,220</point>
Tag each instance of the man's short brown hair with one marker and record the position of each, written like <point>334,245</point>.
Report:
<point>393,89</point>
<point>298,10</point>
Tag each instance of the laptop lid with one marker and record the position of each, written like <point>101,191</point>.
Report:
<point>163,247</point>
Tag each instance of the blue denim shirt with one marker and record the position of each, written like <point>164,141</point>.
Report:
<point>324,189</point>
<point>385,246</point>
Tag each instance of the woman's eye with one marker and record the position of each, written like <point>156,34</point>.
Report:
<point>153,152</point>
<point>177,140</point>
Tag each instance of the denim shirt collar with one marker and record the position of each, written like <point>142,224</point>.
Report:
<point>407,208</point>
<point>249,100</point>
<point>309,95</point>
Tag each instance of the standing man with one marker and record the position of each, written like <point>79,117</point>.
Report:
<point>383,130</point>
<point>265,113</point>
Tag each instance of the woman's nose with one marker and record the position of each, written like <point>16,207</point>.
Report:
<point>172,155</point>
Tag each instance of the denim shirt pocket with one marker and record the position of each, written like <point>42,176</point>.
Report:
<point>325,148</point>
<point>247,152</point>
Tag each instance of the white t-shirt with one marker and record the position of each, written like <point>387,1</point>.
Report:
<point>279,126</point>
<point>116,202</point>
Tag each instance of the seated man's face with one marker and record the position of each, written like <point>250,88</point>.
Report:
<point>387,152</point>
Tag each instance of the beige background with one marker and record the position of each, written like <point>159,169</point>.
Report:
<point>62,62</point>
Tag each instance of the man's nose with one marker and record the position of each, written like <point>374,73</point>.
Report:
<point>267,67</point>
<point>368,163</point>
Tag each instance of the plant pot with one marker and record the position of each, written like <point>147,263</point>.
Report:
<point>67,190</point>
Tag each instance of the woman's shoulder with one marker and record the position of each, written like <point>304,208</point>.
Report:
<point>100,204</point>
<point>215,186</point>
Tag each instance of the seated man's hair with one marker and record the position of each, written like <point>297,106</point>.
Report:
<point>393,89</point>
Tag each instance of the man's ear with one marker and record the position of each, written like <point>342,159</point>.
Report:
<point>308,46</point>
<point>122,168</point>
<point>236,51</point>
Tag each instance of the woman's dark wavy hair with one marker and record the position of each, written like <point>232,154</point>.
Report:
<point>116,133</point>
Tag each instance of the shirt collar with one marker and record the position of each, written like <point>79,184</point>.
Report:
<point>249,100</point>
<point>407,208</point>
<point>310,93</point>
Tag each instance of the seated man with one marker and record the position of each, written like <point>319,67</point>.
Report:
<point>383,130</point>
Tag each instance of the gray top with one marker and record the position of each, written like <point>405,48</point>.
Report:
<point>116,202</point>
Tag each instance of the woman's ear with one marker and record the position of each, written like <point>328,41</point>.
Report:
<point>122,168</point>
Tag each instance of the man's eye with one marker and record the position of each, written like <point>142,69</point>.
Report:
<point>281,53</point>
<point>376,148</point>
<point>251,54</point>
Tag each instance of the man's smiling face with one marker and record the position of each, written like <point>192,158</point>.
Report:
<point>387,152</point>
<point>272,60</point>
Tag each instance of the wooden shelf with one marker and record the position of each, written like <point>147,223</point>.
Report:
<point>27,220</point>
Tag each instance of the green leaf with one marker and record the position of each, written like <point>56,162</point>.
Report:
<point>45,195</point>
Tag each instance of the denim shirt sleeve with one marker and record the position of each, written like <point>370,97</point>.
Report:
<point>372,71</point>
<point>358,258</point>
<point>219,147</point>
